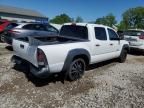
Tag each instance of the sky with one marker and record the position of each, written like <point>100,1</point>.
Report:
<point>89,10</point>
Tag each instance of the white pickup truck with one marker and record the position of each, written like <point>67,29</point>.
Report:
<point>77,46</point>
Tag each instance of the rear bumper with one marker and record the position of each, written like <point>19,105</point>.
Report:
<point>42,72</point>
<point>39,72</point>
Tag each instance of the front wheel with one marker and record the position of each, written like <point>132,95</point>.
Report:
<point>76,69</point>
<point>123,56</point>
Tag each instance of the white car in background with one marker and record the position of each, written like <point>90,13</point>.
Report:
<point>135,37</point>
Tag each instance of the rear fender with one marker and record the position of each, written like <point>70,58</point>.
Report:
<point>71,55</point>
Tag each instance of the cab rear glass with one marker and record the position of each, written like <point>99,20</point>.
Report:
<point>74,31</point>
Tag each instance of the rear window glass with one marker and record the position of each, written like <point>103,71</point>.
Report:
<point>10,26</point>
<point>133,33</point>
<point>74,31</point>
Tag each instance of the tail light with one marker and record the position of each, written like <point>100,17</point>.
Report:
<point>41,58</point>
<point>13,32</point>
<point>141,37</point>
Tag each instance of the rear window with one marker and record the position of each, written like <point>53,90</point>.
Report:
<point>11,26</point>
<point>74,31</point>
<point>133,33</point>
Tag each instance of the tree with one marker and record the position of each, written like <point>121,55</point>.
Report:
<point>134,17</point>
<point>122,26</point>
<point>79,19</point>
<point>101,21</point>
<point>60,19</point>
<point>108,20</point>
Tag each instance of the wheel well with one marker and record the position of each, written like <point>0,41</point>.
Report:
<point>126,48</point>
<point>84,57</point>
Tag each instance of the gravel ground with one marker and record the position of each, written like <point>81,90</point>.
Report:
<point>105,85</point>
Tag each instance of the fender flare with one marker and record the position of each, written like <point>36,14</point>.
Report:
<point>126,47</point>
<point>73,53</point>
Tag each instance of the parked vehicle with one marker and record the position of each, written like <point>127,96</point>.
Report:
<point>77,46</point>
<point>29,29</point>
<point>7,28</point>
<point>135,38</point>
<point>3,25</point>
<point>121,34</point>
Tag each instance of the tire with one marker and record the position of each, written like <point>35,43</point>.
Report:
<point>123,56</point>
<point>76,70</point>
<point>2,37</point>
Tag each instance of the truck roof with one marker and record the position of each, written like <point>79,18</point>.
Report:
<point>89,24</point>
<point>85,24</point>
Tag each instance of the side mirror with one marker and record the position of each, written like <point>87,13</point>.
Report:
<point>121,37</point>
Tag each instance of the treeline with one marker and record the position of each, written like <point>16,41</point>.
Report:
<point>131,18</point>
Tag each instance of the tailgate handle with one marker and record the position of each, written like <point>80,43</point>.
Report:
<point>97,45</point>
<point>21,46</point>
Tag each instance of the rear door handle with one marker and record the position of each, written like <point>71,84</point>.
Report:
<point>21,46</point>
<point>111,44</point>
<point>97,45</point>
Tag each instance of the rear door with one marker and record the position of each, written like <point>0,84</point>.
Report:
<point>30,30</point>
<point>101,43</point>
<point>40,30</point>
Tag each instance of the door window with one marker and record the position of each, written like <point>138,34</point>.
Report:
<point>112,34</point>
<point>28,27</point>
<point>51,29</point>
<point>40,27</point>
<point>100,33</point>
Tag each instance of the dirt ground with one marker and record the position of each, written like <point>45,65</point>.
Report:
<point>106,85</point>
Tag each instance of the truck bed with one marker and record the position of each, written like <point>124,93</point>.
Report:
<point>50,40</point>
<point>26,47</point>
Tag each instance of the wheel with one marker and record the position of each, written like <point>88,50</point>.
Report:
<point>123,56</point>
<point>76,70</point>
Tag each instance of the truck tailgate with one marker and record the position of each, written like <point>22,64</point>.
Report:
<point>25,51</point>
